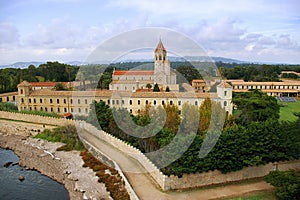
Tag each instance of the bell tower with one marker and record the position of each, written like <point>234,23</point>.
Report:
<point>161,65</point>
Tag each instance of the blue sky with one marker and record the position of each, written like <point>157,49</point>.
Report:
<point>68,30</point>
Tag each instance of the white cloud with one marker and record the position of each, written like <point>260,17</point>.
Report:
<point>8,34</point>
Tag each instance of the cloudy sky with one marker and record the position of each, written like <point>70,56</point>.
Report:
<point>69,30</point>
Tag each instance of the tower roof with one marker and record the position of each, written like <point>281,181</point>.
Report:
<point>160,46</point>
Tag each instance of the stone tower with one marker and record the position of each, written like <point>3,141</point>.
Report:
<point>161,65</point>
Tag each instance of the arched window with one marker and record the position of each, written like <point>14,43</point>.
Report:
<point>146,102</point>
<point>154,102</point>
<point>159,57</point>
<point>225,103</point>
<point>139,102</point>
<point>130,102</point>
<point>21,91</point>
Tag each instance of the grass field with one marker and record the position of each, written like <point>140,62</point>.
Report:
<point>287,110</point>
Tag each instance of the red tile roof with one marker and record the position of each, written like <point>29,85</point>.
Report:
<point>133,72</point>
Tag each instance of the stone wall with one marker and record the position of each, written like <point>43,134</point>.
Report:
<point>216,177</point>
<point>35,119</point>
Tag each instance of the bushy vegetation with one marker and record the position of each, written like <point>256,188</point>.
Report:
<point>287,184</point>
<point>41,113</point>
<point>11,107</point>
<point>65,134</point>
<point>260,139</point>
<point>107,175</point>
<point>8,106</point>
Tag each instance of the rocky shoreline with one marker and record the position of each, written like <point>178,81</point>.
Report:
<point>63,167</point>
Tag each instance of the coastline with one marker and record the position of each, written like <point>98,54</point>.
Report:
<point>65,167</point>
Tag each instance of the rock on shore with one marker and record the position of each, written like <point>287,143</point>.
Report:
<point>64,167</point>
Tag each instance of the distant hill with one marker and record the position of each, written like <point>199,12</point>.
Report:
<point>172,59</point>
<point>191,59</point>
<point>23,65</point>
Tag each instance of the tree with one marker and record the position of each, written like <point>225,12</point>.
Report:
<point>204,116</point>
<point>189,72</point>
<point>60,87</point>
<point>256,106</point>
<point>167,89</point>
<point>156,88</point>
<point>149,86</point>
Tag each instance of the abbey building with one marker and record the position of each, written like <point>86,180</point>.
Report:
<point>133,80</point>
<point>127,90</point>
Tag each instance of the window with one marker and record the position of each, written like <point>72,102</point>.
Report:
<point>51,102</point>
<point>65,101</point>
<point>108,101</point>
<point>113,102</point>
<point>146,102</point>
<point>196,103</point>
<point>86,110</point>
<point>41,109</point>
<point>179,103</point>
<point>51,109</point>
<point>14,98</point>
<point>0,99</point>
<point>30,108</point>
<point>34,100</point>
<point>41,100</point>
<point>163,102</point>
<point>21,91</point>
<point>34,108</point>
<point>57,101</point>
<point>171,102</point>
<point>122,102</point>
<point>71,101</point>
<point>130,102</point>
<point>154,102</point>
<point>29,100</point>
<point>225,103</point>
<point>78,101</point>
<point>46,109</point>
<point>65,110</point>
<point>72,110</point>
<point>86,101</point>
<point>117,102</point>
<point>225,93</point>
<point>79,110</point>
<point>130,110</point>
<point>58,109</point>
<point>139,102</point>
<point>22,100</point>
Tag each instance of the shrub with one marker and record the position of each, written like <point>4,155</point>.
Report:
<point>287,184</point>
<point>65,134</point>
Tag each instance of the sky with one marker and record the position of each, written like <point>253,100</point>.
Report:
<point>69,30</point>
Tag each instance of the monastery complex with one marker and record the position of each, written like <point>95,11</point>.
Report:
<point>128,89</point>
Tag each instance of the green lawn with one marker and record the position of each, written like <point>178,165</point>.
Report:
<point>287,110</point>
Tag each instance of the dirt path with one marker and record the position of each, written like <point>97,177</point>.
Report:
<point>145,187</point>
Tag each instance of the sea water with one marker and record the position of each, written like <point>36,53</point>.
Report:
<point>34,186</point>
